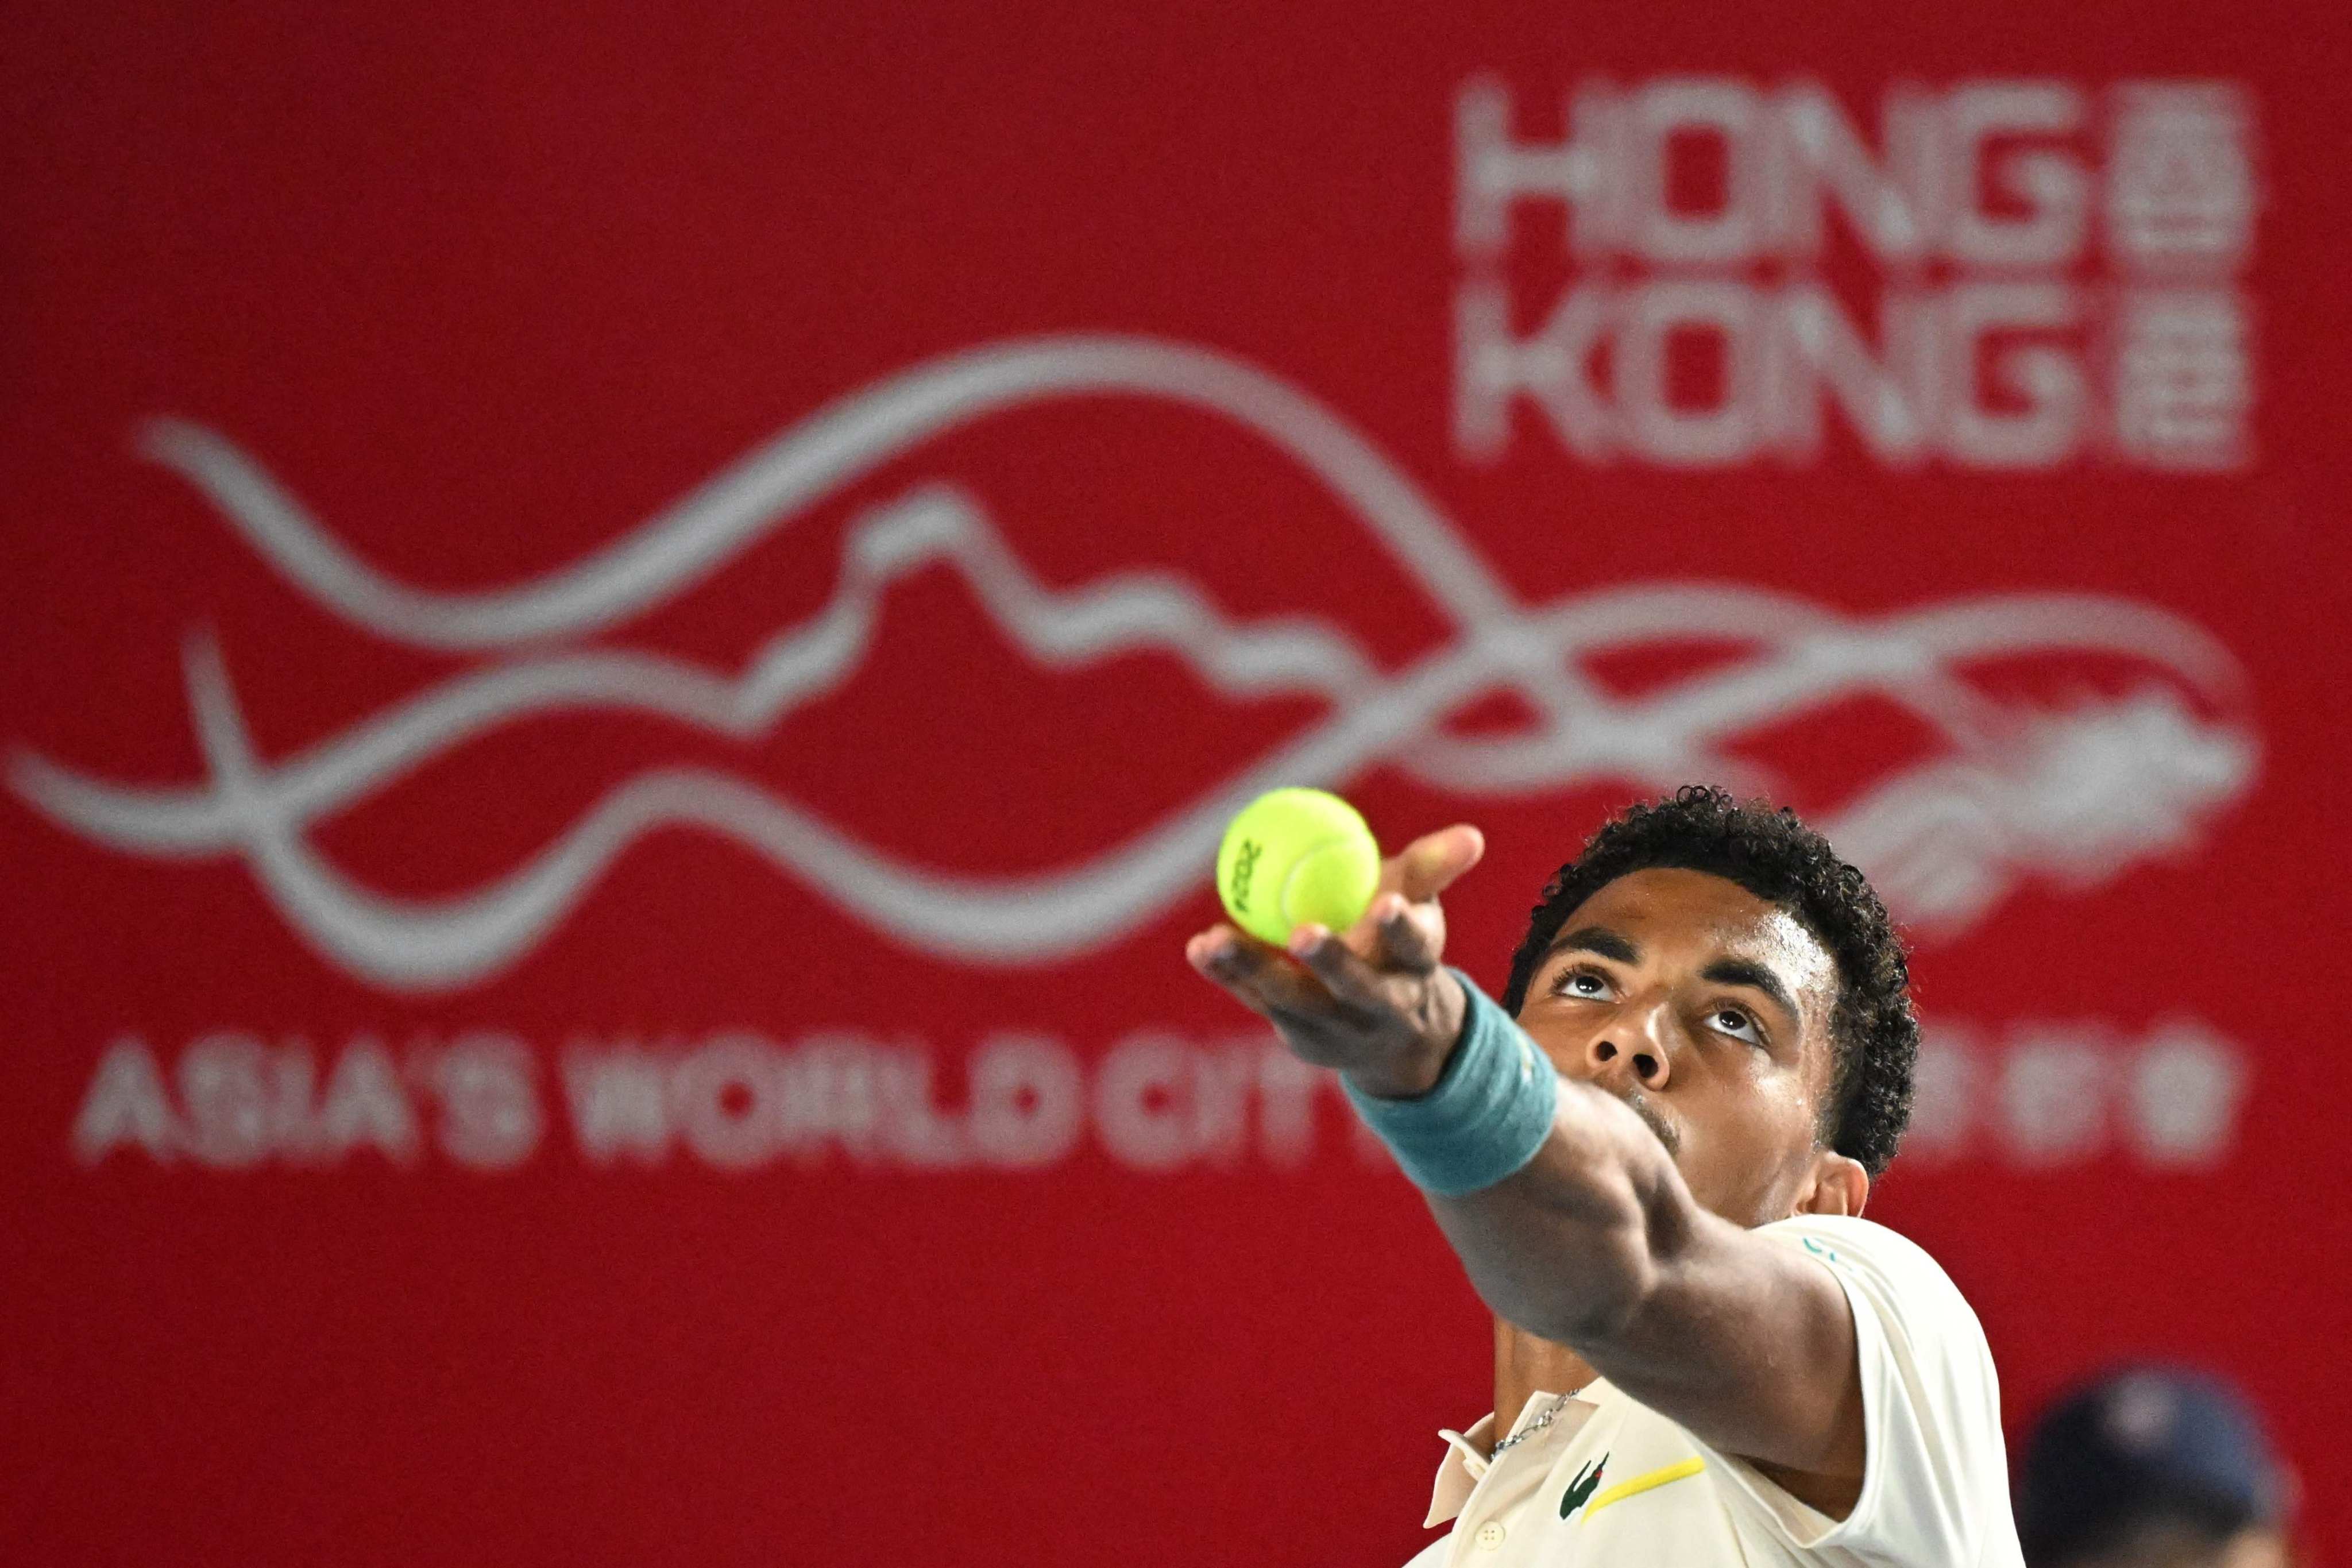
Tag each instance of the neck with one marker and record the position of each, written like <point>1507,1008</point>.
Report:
<point>1524,1364</point>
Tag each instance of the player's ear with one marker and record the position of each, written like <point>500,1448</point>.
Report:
<point>1837,1186</point>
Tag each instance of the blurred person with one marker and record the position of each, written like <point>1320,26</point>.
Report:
<point>1652,1158</point>
<point>2151,1466</point>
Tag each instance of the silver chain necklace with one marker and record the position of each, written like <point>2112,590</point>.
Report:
<point>1536,1425</point>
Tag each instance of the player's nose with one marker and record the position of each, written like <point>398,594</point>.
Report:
<point>1633,1049</point>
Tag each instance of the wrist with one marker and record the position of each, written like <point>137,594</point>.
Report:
<point>1487,1114</point>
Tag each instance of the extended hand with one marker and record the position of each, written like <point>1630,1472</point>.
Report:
<point>1373,1001</point>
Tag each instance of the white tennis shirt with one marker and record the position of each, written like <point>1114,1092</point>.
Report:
<point>1612,1481</point>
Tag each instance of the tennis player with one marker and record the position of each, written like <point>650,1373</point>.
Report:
<point>1651,1157</point>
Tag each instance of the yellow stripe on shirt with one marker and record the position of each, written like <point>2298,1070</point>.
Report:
<point>1640,1484</point>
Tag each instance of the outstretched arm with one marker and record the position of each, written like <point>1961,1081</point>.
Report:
<point>1592,1239</point>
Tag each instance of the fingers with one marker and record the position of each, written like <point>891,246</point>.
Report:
<point>1320,977</point>
<point>1347,977</point>
<point>1264,978</point>
<point>1431,863</point>
<point>1402,936</point>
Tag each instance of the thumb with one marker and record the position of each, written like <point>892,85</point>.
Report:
<point>1431,862</point>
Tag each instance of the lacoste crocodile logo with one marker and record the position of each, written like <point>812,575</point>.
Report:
<point>1582,1486</point>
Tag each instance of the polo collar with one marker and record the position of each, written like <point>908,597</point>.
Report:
<point>1465,1463</point>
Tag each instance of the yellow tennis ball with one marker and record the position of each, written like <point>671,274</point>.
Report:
<point>1294,856</point>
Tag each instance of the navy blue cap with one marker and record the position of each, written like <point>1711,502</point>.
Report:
<point>2141,1444</point>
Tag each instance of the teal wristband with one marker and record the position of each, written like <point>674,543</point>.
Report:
<point>1488,1113</point>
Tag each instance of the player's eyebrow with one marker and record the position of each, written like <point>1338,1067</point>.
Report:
<point>1599,940</point>
<point>1755,977</point>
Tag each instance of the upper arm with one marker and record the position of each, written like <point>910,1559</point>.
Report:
<point>1743,1338</point>
<point>1752,1345</point>
<point>1828,1364</point>
<point>1825,1365</point>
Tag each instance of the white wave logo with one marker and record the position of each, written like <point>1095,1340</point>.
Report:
<point>2075,794</point>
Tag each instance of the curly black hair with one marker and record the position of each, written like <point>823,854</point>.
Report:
<point>1780,860</point>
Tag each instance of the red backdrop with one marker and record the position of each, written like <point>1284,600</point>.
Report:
<point>628,637</point>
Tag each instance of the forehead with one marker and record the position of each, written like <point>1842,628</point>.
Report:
<point>1676,915</point>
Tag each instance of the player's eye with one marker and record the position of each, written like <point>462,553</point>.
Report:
<point>1587,983</point>
<point>1732,1021</point>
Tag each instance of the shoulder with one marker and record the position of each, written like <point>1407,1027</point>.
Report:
<point>1911,1322</point>
<point>1934,1470</point>
<point>1890,1267</point>
<point>1864,1238</point>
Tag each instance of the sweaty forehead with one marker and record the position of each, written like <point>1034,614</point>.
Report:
<point>1697,916</point>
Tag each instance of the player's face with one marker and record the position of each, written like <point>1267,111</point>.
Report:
<point>1707,1010</point>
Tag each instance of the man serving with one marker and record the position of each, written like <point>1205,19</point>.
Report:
<point>1652,1158</point>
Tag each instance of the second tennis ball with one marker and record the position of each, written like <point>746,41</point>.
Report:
<point>1294,857</point>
